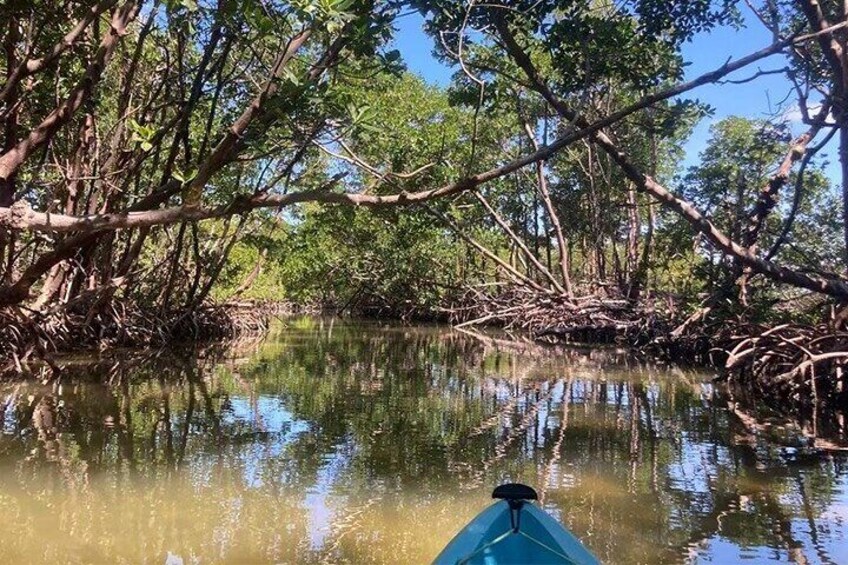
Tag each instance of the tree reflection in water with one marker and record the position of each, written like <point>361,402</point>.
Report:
<point>340,441</point>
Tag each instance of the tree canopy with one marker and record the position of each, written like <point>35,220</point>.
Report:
<point>169,153</point>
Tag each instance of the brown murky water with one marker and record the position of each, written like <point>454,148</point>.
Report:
<point>348,442</point>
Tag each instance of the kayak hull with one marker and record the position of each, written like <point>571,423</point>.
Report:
<point>491,538</point>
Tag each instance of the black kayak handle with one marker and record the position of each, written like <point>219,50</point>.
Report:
<point>514,491</point>
<point>515,495</point>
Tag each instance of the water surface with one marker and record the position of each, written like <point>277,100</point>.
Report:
<point>362,443</point>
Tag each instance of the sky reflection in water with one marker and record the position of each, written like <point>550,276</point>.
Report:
<point>354,442</point>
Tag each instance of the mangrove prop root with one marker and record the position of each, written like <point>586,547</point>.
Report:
<point>790,366</point>
<point>593,318</point>
<point>27,335</point>
<point>796,363</point>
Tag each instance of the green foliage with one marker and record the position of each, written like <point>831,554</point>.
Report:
<point>395,263</point>
<point>740,157</point>
<point>635,42</point>
<point>263,254</point>
<point>344,115</point>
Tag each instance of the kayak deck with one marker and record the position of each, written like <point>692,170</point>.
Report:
<point>510,532</point>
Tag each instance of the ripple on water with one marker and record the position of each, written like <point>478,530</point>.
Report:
<point>366,444</point>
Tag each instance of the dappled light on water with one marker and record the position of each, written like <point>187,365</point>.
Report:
<point>352,442</point>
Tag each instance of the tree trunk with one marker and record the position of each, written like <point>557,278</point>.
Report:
<point>843,161</point>
<point>10,127</point>
<point>632,266</point>
<point>254,274</point>
<point>542,183</point>
<point>165,299</point>
<point>520,244</point>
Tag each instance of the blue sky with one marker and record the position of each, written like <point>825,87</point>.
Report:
<point>760,98</point>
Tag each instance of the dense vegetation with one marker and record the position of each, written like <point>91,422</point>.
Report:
<point>159,156</point>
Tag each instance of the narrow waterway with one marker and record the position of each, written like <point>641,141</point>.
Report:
<point>339,441</point>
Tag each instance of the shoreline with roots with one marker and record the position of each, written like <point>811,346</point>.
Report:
<point>794,365</point>
<point>797,368</point>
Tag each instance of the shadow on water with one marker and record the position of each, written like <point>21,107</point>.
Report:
<point>358,442</point>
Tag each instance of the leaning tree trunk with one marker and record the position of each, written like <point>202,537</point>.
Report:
<point>843,160</point>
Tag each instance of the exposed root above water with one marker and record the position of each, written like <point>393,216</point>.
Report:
<point>26,334</point>
<point>800,364</point>
<point>556,318</point>
<point>793,366</point>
